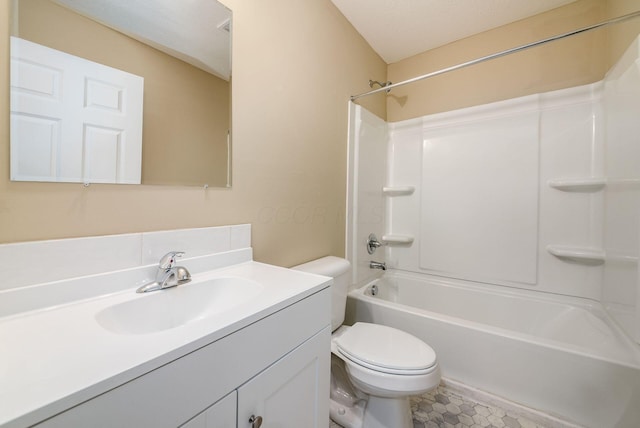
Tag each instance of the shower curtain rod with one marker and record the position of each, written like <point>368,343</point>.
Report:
<point>499,54</point>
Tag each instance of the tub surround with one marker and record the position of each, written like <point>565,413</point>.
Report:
<point>532,201</point>
<point>537,193</point>
<point>482,210</point>
<point>56,355</point>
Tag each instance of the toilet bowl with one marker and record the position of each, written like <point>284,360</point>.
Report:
<point>375,368</point>
<point>386,361</point>
<point>388,365</point>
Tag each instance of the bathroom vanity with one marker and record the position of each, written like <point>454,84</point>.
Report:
<point>173,357</point>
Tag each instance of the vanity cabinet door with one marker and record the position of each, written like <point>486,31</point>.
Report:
<point>291,393</point>
<point>220,415</point>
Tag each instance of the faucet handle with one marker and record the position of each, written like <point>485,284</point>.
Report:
<point>168,260</point>
<point>372,243</point>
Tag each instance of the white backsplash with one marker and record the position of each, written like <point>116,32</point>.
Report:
<point>45,273</point>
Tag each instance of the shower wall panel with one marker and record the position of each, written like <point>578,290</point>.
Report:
<point>484,209</point>
<point>368,138</point>
<point>621,289</point>
<point>479,193</point>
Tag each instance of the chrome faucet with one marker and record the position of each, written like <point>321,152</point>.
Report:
<point>378,265</point>
<point>168,275</point>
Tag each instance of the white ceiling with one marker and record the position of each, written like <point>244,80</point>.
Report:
<point>398,29</point>
<point>192,31</point>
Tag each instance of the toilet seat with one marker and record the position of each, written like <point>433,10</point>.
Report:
<point>374,382</point>
<point>385,349</point>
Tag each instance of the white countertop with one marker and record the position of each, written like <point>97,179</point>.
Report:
<point>54,358</point>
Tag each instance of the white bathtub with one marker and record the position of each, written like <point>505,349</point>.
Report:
<point>562,356</point>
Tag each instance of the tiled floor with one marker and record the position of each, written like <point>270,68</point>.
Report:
<point>442,408</point>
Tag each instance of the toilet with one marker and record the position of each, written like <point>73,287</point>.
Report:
<point>374,368</point>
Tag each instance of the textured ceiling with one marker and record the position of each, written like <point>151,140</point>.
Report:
<point>398,29</point>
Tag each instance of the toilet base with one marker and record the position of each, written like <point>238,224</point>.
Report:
<point>347,416</point>
<point>353,409</point>
<point>376,412</point>
<point>388,412</point>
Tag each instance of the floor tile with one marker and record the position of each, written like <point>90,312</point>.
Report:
<point>442,408</point>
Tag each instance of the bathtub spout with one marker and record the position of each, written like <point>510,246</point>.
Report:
<point>377,265</point>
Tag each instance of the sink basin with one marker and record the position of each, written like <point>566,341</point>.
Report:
<point>166,309</point>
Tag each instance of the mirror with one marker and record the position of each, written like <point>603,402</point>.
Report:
<point>180,52</point>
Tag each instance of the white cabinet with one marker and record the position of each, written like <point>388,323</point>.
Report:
<point>279,366</point>
<point>220,415</point>
<point>293,392</point>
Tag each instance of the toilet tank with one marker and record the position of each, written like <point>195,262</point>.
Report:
<point>338,269</point>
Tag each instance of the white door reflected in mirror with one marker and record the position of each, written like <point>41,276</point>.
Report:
<point>183,53</point>
<point>73,120</point>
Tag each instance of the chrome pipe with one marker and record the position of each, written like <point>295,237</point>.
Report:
<point>501,54</point>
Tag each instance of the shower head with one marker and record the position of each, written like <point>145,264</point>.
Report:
<point>382,85</point>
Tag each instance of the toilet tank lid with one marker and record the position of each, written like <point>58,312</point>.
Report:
<point>330,266</point>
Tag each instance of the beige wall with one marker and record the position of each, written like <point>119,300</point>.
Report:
<point>186,110</point>
<point>621,35</point>
<point>570,62</point>
<point>295,65</point>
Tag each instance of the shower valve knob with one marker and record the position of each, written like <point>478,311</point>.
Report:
<point>372,243</point>
<point>255,421</point>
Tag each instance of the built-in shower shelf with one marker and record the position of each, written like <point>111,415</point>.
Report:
<point>397,239</point>
<point>398,190</point>
<point>592,184</point>
<point>621,257</point>
<point>578,254</point>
